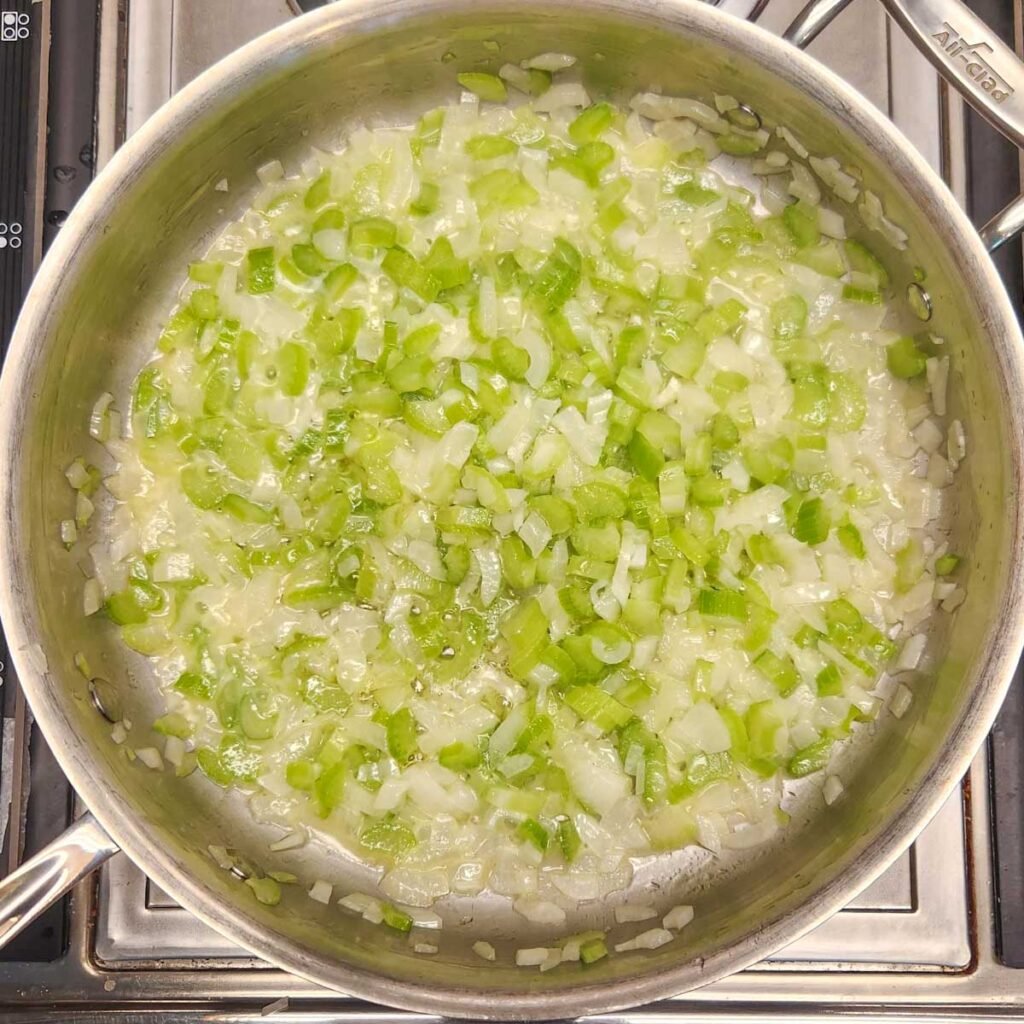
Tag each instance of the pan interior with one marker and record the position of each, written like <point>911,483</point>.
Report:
<point>92,322</point>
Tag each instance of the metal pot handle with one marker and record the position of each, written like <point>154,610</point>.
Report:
<point>982,68</point>
<point>44,878</point>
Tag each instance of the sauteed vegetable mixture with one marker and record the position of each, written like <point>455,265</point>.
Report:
<point>512,495</point>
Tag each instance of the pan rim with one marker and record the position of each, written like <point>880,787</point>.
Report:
<point>218,85</point>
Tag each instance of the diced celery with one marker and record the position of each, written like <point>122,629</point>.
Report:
<point>697,458</point>
<point>591,123</point>
<point>813,522</point>
<point>459,757</point>
<point>904,359</point>
<point>407,272</point>
<point>597,502</point>
<point>829,681</point>
<point>802,223</point>
<point>851,540</point>
<point>397,919</point>
<point>403,744</point>
<point>488,87</point>
<point>811,758</point>
<point>534,833</point>
<point>780,671</point>
<point>727,604</point>
<point>594,705</point>
<point>788,316</point>
<point>490,147</point>
<point>260,270</point>
<point>390,837</point>
<point>372,232</point>
<point>569,841</point>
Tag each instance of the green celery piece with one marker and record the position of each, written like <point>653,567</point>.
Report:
<point>260,270</point>
<point>504,189</point>
<point>591,123</point>
<point>194,686</point>
<point>596,502</point>
<point>205,272</point>
<point>737,144</point>
<point>864,261</point>
<point>810,395</point>
<point>202,486</point>
<point>401,736</point>
<point>569,840</point>
<point>328,789</point>
<point>490,147</point>
<point>598,542</point>
<point>397,919</point>
<point>647,459</point>
<point>811,758</point>
<point>556,512</point>
<point>788,316</point>
<point>904,359</point>
<point>851,540</point>
<point>728,604</point>
<point>309,260</point>
<point>802,223</point>
<point>407,272</point>
<point>518,566</point>
<point>686,357</point>
<point>779,671</point>
<point>293,368</point>
<point>829,681</point>
<point>448,270</point>
<point>534,833</point>
<point>301,774</point>
<point>488,87</point>
<point>257,715</point>
<point>697,457</point>
<point>339,280</point>
<point>946,565</point>
<point>813,522</point>
<point>372,232</point>
<point>593,950</point>
<point>770,462</point>
<point>266,890</point>
<point>204,304</point>
<point>244,510</point>
<point>847,403</point>
<point>635,733</point>
<point>510,359</point>
<point>387,836</point>
<point>866,296</point>
<point>761,724</point>
<point>559,276</point>
<point>427,201</point>
<point>694,194</point>
<point>233,762</point>
<point>595,705</point>
<point>413,374</point>
<point>710,490</point>
<point>702,770</point>
<point>319,193</point>
<point>459,757</point>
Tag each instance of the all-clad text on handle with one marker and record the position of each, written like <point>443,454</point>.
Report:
<point>981,67</point>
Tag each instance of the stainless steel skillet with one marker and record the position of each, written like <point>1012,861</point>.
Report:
<point>90,319</point>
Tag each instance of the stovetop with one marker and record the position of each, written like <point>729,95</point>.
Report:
<point>932,939</point>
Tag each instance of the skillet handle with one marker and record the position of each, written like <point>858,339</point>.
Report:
<point>982,68</point>
<point>44,878</point>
